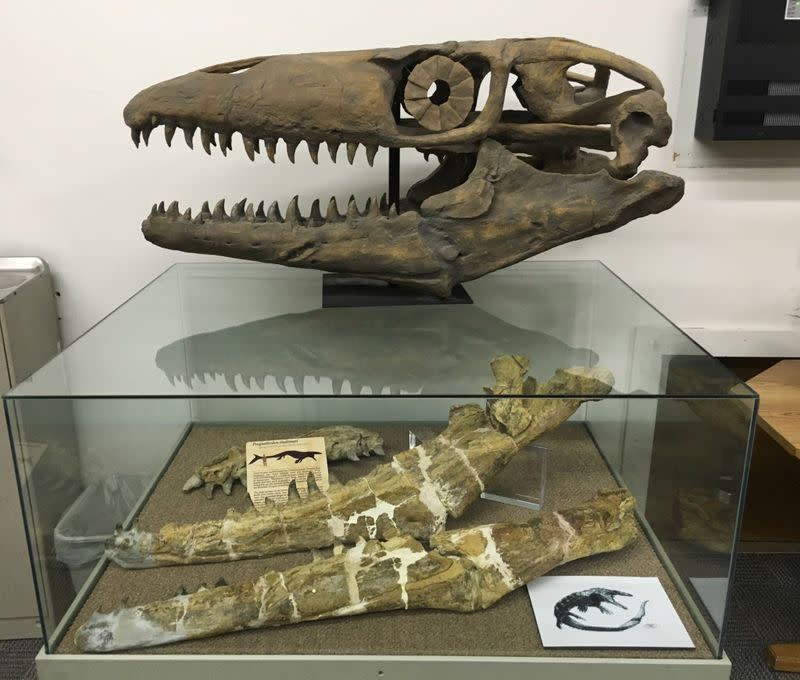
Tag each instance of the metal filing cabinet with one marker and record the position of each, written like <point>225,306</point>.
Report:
<point>29,337</point>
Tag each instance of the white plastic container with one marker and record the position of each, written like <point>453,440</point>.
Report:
<point>82,531</point>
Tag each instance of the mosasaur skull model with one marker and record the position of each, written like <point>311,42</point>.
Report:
<point>510,184</point>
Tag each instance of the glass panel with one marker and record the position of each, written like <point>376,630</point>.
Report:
<point>85,466</point>
<point>685,461</point>
<point>258,330</point>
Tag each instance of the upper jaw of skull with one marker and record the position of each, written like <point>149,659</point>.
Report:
<point>349,98</point>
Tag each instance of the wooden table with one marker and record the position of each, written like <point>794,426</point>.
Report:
<point>779,415</point>
<point>779,410</point>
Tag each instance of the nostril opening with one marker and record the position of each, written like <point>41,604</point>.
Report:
<point>439,92</point>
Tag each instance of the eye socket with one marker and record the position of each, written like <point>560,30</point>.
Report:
<point>439,93</point>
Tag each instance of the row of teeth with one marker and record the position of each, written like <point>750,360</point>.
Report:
<point>252,145</point>
<point>286,384</point>
<point>244,211</point>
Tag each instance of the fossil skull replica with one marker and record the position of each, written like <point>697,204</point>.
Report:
<point>510,184</point>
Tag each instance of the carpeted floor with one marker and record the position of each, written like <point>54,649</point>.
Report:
<point>16,659</point>
<point>765,608</point>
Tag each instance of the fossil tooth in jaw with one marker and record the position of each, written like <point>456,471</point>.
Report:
<point>270,146</point>
<point>274,213</point>
<point>250,147</point>
<point>333,148</point>
<point>352,147</point>
<point>207,139</point>
<point>169,133</point>
<point>313,151</point>
<point>291,149</point>
<point>188,134</point>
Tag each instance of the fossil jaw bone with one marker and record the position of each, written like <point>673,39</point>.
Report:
<point>458,225</point>
<point>465,570</point>
<point>413,495</point>
<point>506,211</point>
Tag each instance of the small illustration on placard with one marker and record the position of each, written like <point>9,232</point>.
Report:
<point>793,10</point>
<point>297,456</point>
<point>606,611</point>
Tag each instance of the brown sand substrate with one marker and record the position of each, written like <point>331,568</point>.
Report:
<point>575,471</point>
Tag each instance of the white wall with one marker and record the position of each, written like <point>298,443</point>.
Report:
<point>74,190</point>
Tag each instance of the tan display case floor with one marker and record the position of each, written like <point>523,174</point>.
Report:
<point>575,470</point>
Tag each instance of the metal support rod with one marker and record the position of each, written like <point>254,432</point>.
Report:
<point>394,167</point>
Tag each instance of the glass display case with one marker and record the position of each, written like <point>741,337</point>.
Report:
<point>211,356</point>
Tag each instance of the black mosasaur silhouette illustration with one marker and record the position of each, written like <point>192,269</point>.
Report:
<point>297,455</point>
<point>594,597</point>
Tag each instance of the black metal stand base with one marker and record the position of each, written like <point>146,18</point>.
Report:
<point>343,290</point>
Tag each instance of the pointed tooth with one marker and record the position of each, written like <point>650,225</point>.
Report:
<point>378,451</point>
<point>270,146</point>
<point>352,455</point>
<point>194,482</point>
<point>315,217</point>
<point>154,210</point>
<point>135,136</point>
<point>372,208</point>
<point>207,139</point>
<point>352,209</point>
<point>146,135</point>
<point>313,151</point>
<point>372,149</point>
<point>311,482</point>
<point>219,210</point>
<point>198,219</point>
<point>249,214</point>
<point>332,215</point>
<point>249,148</point>
<point>393,210</point>
<point>228,140</point>
<point>205,211</point>
<point>237,212</point>
<point>293,493</point>
<point>188,214</point>
<point>188,135</point>
<point>384,203</point>
<point>153,120</point>
<point>161,207</point>
<point>352,147</point>
<point>333,148</point>
<point>224,142</point>
<point>169,132</point>
<point>274,213</point>
<point>173,210</point>
<point>291,148</point>
<point>227,487</point>
<point>293,212</point>
<point>209,490</point>
<point>260,212</point>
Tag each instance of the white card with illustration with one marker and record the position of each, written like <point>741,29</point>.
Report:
<point>606,611</point>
